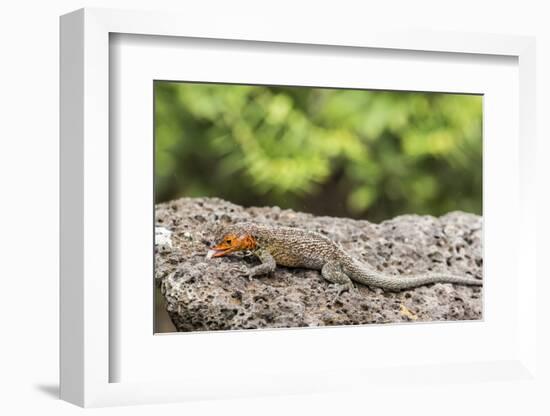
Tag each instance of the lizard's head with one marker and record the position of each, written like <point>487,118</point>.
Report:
<point>233,241</point>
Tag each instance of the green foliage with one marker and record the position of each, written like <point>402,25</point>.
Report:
<point>372,154</point>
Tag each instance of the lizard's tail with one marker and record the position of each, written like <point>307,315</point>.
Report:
<point>363,274</point>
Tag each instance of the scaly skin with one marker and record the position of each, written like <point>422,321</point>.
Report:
<point>293,247</point>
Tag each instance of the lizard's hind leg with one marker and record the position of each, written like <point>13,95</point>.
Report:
<point>332,272</point>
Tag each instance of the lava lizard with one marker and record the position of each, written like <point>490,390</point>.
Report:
<point>293,247</point>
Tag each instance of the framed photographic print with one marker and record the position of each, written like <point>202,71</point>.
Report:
<point>263,213</point>
<point>340,155</point>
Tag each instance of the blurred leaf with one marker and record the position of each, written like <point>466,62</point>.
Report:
<point>360,199</point>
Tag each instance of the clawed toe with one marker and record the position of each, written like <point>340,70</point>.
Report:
<point>341,289</point>
<point>240,271</point>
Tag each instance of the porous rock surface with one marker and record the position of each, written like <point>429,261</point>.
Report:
<point>207,294</point>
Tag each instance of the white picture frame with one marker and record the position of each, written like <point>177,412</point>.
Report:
<point>87,304</point>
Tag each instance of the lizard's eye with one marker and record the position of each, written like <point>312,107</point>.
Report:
<point>228,241</point>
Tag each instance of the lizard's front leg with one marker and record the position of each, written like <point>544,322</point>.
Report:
<point>268,264</point>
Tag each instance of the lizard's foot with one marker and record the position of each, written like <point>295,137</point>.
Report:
<point>332,272</point>
<point>241,271</point>
<point>341,289</point>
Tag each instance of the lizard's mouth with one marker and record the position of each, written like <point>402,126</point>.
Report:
<point>219,252</point>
